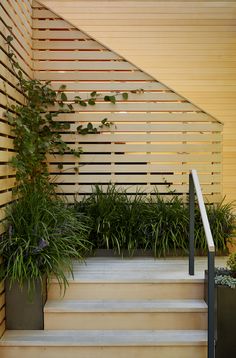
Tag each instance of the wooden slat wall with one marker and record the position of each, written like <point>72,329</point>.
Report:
<point>188,45</point>
<point>157,136</point>
<point>18,16</point>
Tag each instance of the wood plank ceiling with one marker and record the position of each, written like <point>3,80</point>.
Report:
<point>188,45</point>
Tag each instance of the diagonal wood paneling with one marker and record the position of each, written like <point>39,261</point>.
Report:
<point>188,45</point>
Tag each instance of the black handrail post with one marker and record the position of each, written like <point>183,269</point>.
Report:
<point>194,186</point>
<point>191,225</point>
<point>211,304</point>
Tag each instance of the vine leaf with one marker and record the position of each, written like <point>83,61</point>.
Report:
<point>91,101</point>
<point>63,97</point>
<point>9,39</point>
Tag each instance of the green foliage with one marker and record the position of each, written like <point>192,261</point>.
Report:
<point>115,219</point>
<point>166,226</point>
<point>42,237</point>
<point>36,131</point>
<point>36,127</point>
<point>222,222</point>
<point>42,233</point>
<point>224,280</point>
<point>225,277</point>
<point>150,223</point>
<point>231,263</point>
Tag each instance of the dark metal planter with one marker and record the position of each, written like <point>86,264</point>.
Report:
<point>225,321</point>
<point>22,312</point>
<point>225,318</point>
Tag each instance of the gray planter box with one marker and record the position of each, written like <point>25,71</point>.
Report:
<point>225,322</point>
<point>225,318</point>
<point>22,312</point>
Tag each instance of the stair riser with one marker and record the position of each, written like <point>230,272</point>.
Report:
<point>104,352</point>
<point>124,321</point>
<point>127,291</point>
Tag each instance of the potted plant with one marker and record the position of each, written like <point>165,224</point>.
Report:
<point>225,308</point>
<point>43,236</point>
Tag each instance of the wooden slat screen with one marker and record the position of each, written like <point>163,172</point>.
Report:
<point>18,16</point>
<point>188,45</point>
<point>157,136</point>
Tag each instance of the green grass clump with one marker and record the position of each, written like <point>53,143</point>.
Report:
<point>43,235</point>
<point>222,223</point>
<point>166,225</point>
<point>155,223</point>
<point>116,219</point>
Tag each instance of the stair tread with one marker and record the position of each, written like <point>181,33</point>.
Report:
<point>125,306</point>
<point>133,278</point>
<point>104,338</point>
<point>136,270</point>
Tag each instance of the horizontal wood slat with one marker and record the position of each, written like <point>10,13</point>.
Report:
<point>139,157</point>
<point>142,97</point>
<point>5,170</point>
<point>91,76</point>
<point>139,137</point>
<point>125,168</point>
<point>139,107</point>
<point>159,127</point>
<point>194,118</point>
<point>82,65</point>
<point>81,189</point>
<point>5,156</point>
<point>72,34</point>
<point>110,86</point>
<point>158,148</point>
<point>6,183</point>
<point>211,198</point>
<point>67,45</point>
<point>162,179</point>
<point>74,55</point>
<point>5,197</point>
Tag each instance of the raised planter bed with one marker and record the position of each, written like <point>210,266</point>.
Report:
<point>225,306</point>
<point>225,318</point>
<point>22,311</point>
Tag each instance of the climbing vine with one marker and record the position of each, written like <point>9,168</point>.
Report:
<point>37,131</point>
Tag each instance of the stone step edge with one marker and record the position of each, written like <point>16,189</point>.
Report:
<point>101,338</point>
<point>111,280</point>
<point>128,306</point>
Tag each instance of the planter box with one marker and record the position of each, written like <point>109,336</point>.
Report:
<point>22,312</point>
<point>225,318</point>
<point>225,321</point>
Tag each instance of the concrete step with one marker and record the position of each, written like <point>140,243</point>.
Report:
<point>117,315</point>
<point>130,279</point>
<point>104,344</point>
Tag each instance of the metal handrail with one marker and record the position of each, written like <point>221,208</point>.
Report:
<point>194,187</point>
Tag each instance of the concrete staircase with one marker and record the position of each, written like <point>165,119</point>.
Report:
<point>131,308</point>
